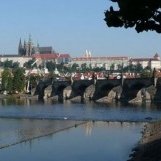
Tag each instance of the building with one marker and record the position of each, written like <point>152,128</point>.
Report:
<point>28,49</point>
<point>154,62</point>
<point>15,58</point>
<point>117,62</point>
<point>57,58</point>
<point>106,62</point>
<point>43,53</point>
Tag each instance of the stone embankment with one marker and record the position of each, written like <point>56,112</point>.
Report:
<point>149,147</point>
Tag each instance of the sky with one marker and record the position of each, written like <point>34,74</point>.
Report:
<point>71,27</point>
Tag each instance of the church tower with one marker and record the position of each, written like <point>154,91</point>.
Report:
<point>20,48</point>
<point>26,49</point>
<point>29,47</point>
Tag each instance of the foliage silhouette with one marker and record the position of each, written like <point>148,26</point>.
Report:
<point>144,15</point>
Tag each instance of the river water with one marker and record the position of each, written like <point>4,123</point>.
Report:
<point>32,130</point>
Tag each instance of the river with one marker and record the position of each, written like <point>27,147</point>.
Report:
<point>46,130</point>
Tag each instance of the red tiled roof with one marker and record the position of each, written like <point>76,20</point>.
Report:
<point>50,56</point>
<point>144,59</point>
<point>64,56</point>
<point>141,59</point>
<point>156,55</point>
<point>155,58</point>
<point>102,58</point>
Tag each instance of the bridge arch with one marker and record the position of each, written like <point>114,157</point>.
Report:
<point>58,88</point>
<point>132,88</point>
<point>79,87</point>
<point>103,87</point>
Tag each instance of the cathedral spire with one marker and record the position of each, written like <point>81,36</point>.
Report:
<point>29,39</point>
<point>20,44</point>
<point>24,44</point>
<point>20,47</point>
<point>29,46</point>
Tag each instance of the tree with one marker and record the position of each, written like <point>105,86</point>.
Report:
<point>146,73</point>
<point>60,67</point>
<point>6,80</point>
<point>51,65</point>
<point>144,15</point>
<point>18,80</point>
<point>139,68</point>
<point>83,67</point>
<point>112,68</point>
<point>29,63</point>
<point>74,67</point>
<point>8,63</point>
<point>15,65</point>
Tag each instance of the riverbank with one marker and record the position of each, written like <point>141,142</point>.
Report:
<point>18,96</point>
<point>149,147</point>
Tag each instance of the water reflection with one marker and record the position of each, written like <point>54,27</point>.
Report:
<point>90,141</point>
<point>110,129</point>
<point>19,130</point>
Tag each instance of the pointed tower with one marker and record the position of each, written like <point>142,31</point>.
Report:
<point>156,56</point>
<point>20,48</point>
<point>25,48</point>
<point>30,45</point>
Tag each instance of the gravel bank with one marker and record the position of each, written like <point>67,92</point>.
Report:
<point>149,147</point>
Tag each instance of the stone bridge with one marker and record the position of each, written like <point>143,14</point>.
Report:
<point>79,87</point>
<point>129,90</point>
<point>157,95</point>
<point>134,90</point>
<point>58,88</point>
<point>104,88</point>
<point>42,85</point>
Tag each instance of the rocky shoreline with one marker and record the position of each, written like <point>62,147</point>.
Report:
<point>149,147</point>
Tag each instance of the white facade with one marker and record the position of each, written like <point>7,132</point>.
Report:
<point>148,62</point>
<point>116,62</point>
<point>105,62</point>
<point>15,58</point>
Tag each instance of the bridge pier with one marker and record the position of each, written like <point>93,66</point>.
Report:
<point>47,92</point>
<point>67,92</point>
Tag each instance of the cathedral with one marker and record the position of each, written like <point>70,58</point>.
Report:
<point>28,48</point>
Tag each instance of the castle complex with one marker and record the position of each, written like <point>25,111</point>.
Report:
<point>28,51</point>
<point>28,48</point>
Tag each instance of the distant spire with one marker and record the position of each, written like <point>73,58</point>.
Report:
<point>20,48</point>
<point>89,54</point>
<point>86,54</point>
<point>156,56</point>
<point>30,40</point>
<point>29,46</point>
<point>24,44</point>
<point>20,44</point>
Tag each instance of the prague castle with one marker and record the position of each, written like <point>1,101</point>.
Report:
<point>28,48</point>
<point>27,51</point>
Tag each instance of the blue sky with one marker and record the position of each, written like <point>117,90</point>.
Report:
<point>71,26</point>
